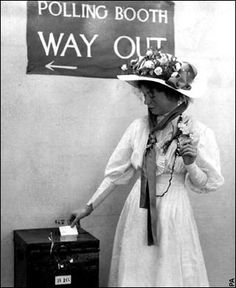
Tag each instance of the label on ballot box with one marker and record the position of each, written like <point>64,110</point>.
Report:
<point>63,280</point>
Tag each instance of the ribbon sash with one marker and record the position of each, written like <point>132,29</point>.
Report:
<point>148,178</point>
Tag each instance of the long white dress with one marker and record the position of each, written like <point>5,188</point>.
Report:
<point>178,260</point>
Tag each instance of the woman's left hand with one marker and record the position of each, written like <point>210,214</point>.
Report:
<point>188,151</point>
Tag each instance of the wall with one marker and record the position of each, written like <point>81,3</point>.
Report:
<point>209,40</point>
<point>58,133</point>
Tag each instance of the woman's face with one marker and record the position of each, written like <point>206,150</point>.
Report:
<point>157,101</point>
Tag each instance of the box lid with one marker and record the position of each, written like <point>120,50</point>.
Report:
<point>41,236</point>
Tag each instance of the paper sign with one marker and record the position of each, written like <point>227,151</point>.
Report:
<point>67,230</point>
<point>95,38</point>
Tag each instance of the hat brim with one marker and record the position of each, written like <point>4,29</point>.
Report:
<point>133,79</point>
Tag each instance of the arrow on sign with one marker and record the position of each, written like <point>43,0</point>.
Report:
<point>50,66</point>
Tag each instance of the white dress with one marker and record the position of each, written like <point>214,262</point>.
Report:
<point>178,260</point>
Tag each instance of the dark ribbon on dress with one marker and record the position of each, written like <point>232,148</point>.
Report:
<point>148,175</point>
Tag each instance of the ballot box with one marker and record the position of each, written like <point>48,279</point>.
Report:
<point>44,259</point>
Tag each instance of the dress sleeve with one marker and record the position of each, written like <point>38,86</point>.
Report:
<point>208,160</point>
<point>119,169</point>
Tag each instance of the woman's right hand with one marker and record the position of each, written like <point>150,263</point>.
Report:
<point>78,214</point>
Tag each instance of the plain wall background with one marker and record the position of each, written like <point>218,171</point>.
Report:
<point>58,133</point>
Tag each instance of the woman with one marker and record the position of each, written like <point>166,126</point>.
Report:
<point>156,242</point>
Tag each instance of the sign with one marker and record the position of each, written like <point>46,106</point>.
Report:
<point>95,38</point>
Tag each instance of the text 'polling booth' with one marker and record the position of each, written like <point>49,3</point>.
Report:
<point>94,38</point>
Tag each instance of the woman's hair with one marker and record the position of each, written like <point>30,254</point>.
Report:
<point>171,94</point>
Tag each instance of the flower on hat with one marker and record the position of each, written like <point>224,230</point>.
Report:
<point>178,66</point>
<point>149,52</point>
<point>162,64</point>
<point>164,59</point>
<point>158,71</point>
<point>175,74</point>
<point>156,64</point>
<point>149,64</point>
<point>124,67</point>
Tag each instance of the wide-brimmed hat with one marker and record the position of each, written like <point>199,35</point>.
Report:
<point>162,68</point>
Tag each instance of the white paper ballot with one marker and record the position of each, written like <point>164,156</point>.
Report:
<point>67,230</point>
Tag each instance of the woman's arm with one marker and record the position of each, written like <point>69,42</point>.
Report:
<point>189,151</point>
<point>197,176</point>
<point>204,174</point>
<point>79,214</point>
<point>119,171</point>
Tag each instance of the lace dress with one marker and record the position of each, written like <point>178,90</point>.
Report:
<point>178,260</point>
